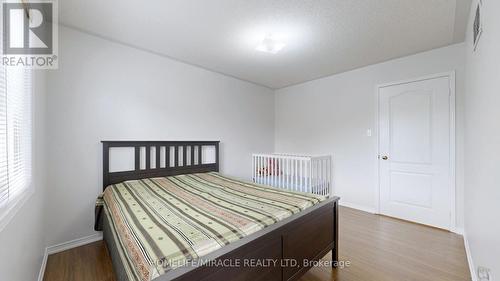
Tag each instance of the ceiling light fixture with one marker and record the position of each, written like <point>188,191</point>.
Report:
<point>270,45</point>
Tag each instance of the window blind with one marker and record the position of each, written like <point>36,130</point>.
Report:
<point>15,134</point>
<point>4,179</point>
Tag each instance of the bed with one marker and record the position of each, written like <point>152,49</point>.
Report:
<point>183,220</point>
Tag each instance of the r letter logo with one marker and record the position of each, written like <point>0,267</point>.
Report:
<point>29,34</point>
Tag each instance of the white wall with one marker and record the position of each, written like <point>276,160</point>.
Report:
<point>482,142</point>
<point>331,116</point>
<point>108,91</point>
<point>22,241</point>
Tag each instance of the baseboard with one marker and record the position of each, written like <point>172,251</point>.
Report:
<point>66,246</point>
<point>74,243</point>
<point>457,230</point>
<point>44,264</point>
<point>357,207</point>
<point>472,268</point>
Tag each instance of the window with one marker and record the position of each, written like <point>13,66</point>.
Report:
<point>15,139</point>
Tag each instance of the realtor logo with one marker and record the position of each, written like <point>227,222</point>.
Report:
<point>29,34</point>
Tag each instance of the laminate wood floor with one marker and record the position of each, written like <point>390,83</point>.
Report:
<point>378,248</point>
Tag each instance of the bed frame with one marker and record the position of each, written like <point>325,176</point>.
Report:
<point>306,236</point>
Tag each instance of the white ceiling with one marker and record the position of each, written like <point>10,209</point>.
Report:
<point>323,37</point>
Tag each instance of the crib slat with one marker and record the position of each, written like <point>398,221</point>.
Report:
<point>329,165</point>
<point>264,175</point>
<point>256,172</point>
<point>288,173</point>
<point>299,175</point>
<point>275,170</point>
<point>319,177</point>
<point>285,173</point>
<point>276,174</point>
<point>259,169</point>
<point>316,175</point>
<point>304,175</point>
<point>282,170</point>
<point>320,171</point>
<point>268,179</point>
<point>263,169</point>
<point>324,177</point>
<point>276,160</point>
<point>330,179</point>
<point>283,177</point>
<point>278,177</point>
<point>255,168</point>
<point>310,176</point>
<point>306,170</point>
<point>327,177</point>
<point>296,174</point>
<point>271,168</point>
<point>279,173</point>
<point>304,180</point>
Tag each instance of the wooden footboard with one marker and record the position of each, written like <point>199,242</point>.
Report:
<point>304,237</point>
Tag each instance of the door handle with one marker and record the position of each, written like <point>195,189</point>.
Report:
<point>385,157</point>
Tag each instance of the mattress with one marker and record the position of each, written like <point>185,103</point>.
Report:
<point>159,224</point>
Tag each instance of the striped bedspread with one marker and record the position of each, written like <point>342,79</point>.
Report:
<point>160,223</point>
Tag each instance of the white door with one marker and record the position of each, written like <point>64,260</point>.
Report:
<point>414,146</point>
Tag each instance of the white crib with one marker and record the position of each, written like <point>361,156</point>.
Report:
<point>311,174</point>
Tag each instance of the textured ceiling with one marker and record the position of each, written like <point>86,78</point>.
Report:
<point>322,37</point>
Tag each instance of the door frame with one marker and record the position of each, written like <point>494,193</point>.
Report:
<point>451,77</point>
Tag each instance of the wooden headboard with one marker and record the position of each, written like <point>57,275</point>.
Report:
<point>182,162</point>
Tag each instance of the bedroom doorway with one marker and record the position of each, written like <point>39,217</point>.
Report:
<point>417,150</point>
